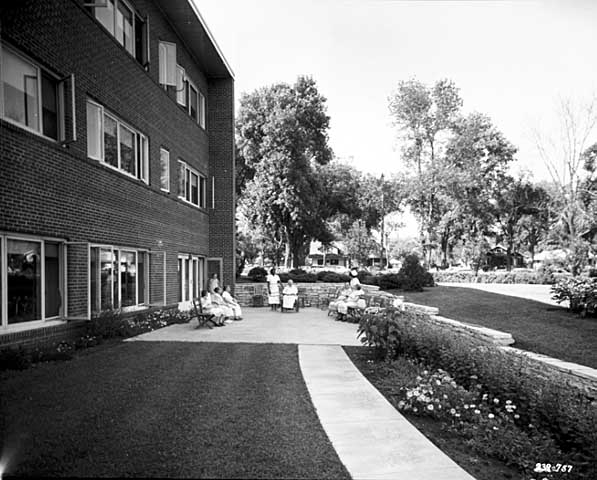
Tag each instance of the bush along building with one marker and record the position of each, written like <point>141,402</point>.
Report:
<point>116,160</point>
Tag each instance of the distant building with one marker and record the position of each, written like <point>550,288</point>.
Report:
<point>332,255</point>
<point>116,159</point>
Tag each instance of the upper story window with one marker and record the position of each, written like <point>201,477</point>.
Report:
<point>167,63</point>
<point>191,185</point>
<point>113,142</point>
<point>189,96</point>
<point>30,97</point>
<point>164,169</point>
<point>129,29</point>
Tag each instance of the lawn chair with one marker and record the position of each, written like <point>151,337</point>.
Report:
<point>203,318</point>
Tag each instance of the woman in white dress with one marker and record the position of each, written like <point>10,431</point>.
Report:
<point>232,303</point>
<point>289,296</point>
<point>208,307</point>
<point>354,300</point>
<point>342,297</point>
<point>218,300</point>
<point>273,289</point>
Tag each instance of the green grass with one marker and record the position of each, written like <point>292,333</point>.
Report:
<point>153,409</point>
<point>535,326</point>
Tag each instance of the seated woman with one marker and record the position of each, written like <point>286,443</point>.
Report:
<point>218,300</point>
<point>208,307</point>
<point>342,297</point>
<point>231,303</point>
<point>354,300</point>
<point>289,296</point>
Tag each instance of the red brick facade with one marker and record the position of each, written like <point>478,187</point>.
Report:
<point>52,190</point>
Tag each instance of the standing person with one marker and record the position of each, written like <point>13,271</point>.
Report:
<point>232,303</point>
<point>354,278</point>
<point>213,283</point>
<point>273,289</point>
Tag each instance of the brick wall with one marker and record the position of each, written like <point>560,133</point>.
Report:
<point>56,191</point>
<point>43,337</point>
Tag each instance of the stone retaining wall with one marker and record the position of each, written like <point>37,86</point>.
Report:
<point>255,294</point>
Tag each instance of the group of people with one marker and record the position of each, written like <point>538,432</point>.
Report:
<point>289,292</point>
<point>349,297</point>
<point>221,304</point>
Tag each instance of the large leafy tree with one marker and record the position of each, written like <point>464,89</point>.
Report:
<point>281,137</point>
<point>424,117</point>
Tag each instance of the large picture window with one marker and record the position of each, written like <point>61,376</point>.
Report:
<point>114,143</point>
<point>31,279</point>
<point>118,277</point>
<point>30,97</point>
<point>125,25</point>
<point>191,185</point>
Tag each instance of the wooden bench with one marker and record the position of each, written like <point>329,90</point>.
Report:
<point>203,318</point>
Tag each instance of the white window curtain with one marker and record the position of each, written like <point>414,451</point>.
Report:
<point>168,63</point>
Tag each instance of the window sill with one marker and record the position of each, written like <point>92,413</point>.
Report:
<point>34,325</point>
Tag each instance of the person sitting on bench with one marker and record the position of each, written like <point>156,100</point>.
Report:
<point>208,307</point>
<point>218,301</point>
<point>353,301</point>
<point>289,296</point>
<point>231,303</point>
<point>342,297</point>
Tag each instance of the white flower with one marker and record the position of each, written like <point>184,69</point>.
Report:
<point>465,406</point>
<point>401,404</point>
<point>430,407</point>
<point>508,402</point>
<point>517,416</point>
<point>491,415</point>
<point>477,411</point>
<point>453,411</point>
<point>495,428</point>
<point>425,372</point>
<point>445,396</point>
<point>437,382</point>
<point>496,401</point>
<point>472,405</point>
<point>415,409</point>
<point>409,394</point>
<point>457,415</point>
<point>485,396</point>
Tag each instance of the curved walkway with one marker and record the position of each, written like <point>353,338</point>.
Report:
<point>372,439</point>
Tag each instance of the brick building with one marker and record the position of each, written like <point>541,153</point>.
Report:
<point>116,158</point>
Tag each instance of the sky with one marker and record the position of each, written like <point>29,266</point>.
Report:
<point>511,60</point>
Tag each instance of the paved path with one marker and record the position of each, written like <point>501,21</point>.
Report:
<point>372,439</point>
<point>539,293</point>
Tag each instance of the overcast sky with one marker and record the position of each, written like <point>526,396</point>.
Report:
<point>510,59</point>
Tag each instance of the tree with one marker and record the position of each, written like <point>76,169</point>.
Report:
<point>424,116</point>
<point>359,243</point>
<point>565,152</point>
<point>281,137</point>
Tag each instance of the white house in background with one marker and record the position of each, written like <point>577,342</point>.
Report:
<point>332,255</point>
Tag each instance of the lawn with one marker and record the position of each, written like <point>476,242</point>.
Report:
<point>535,326</point>
<point>168,409</point>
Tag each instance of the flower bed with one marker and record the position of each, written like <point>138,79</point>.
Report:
<point>107,325</point>
<point>492,399</point>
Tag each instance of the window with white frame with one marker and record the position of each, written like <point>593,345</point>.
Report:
<point>190,276</point>
<point>167,59</point>
<point>202,111</point>
<point>113,142</point>
<point>118,277</point>
<point>31,279</point>
<point>164,169</point>
<point>181,86</point>
<point>126,25</point>
<point>190,97</point>
<point>191,185</point>
<point>30,96</point>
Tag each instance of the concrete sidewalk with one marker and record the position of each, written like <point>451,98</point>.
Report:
<point>372,439</point>
<point>538,293</point>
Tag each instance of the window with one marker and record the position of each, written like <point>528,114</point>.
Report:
<point>190,277</point>
<point>164,169</point>
<point>191,185</point>
<point>167,63</point>
<point>114,143</point>
<point>32,278</point>
<point>201,110</point>
<point>118,277</point>
<point>193,99</point>
<point>181,86</point>
<point>30,97</point>
<point>125,25</point>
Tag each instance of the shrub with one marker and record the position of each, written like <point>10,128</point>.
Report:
<point>412,276</point>
<point>332,277</point>
<point>257,274</point>
<point>370,280</point>
<point>390,281</point>
<point>304,278</point>
<point>546,405</point>
<point>106,325</point>
<point>297,271</point>
<point>580,292</point>
<point>543,276</point>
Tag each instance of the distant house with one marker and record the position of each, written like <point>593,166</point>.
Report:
<point>331,255</point>
<point>497,257</point>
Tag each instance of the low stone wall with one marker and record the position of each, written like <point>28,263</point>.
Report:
<point>255,294</point>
